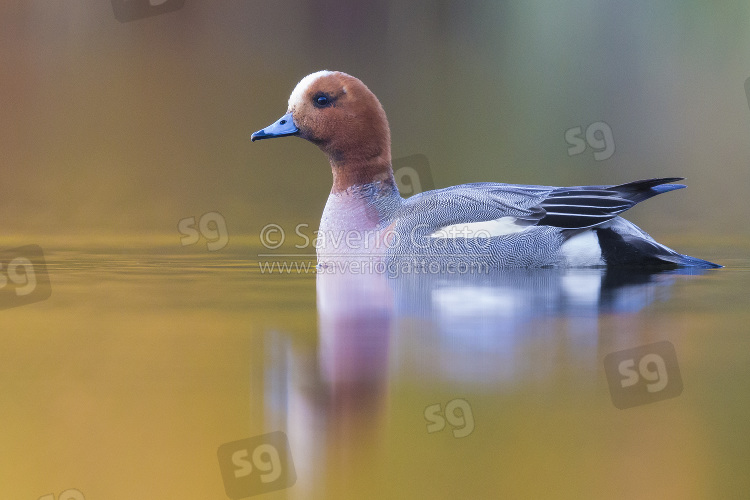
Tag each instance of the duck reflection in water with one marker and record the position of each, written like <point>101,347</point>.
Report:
<point>487,333</point>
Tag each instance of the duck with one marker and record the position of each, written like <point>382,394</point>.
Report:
<point>489,224</point>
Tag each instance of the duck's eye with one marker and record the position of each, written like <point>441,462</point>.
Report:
<point>322,100</point>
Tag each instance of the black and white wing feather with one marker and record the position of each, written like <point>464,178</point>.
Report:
<point>588,206</point>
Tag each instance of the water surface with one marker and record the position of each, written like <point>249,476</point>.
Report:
<point>140,365</point>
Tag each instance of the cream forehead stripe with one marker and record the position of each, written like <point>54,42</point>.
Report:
<point>299,91</point>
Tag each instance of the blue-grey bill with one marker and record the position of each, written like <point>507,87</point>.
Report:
<point>282,127</point>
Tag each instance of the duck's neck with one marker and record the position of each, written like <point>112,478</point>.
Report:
<point>363,197</point>
<point>357,171</point>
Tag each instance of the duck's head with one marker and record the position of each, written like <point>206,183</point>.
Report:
<point>339,114</point>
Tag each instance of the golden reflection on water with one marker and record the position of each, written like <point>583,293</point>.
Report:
<point>147,357</point>
<point>125,382</point>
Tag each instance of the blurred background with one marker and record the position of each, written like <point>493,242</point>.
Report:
<point>118,130</point>
<point>123,125</point>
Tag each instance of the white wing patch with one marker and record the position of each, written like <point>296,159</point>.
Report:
<point>485,229</point>
<point>299,91</point>
<point>582,250</point>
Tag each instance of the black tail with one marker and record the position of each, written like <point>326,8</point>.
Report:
<point>638,191</point>
<point>624,244</point>
<point>581,207</point>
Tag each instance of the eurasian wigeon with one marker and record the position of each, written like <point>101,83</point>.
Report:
<point>500,225</point>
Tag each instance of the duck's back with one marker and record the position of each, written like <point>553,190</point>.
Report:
<point>508,225</point>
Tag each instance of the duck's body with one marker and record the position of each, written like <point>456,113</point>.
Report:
<point>500,225</point>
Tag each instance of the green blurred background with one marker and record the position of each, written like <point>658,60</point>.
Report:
<point>116,131</point>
